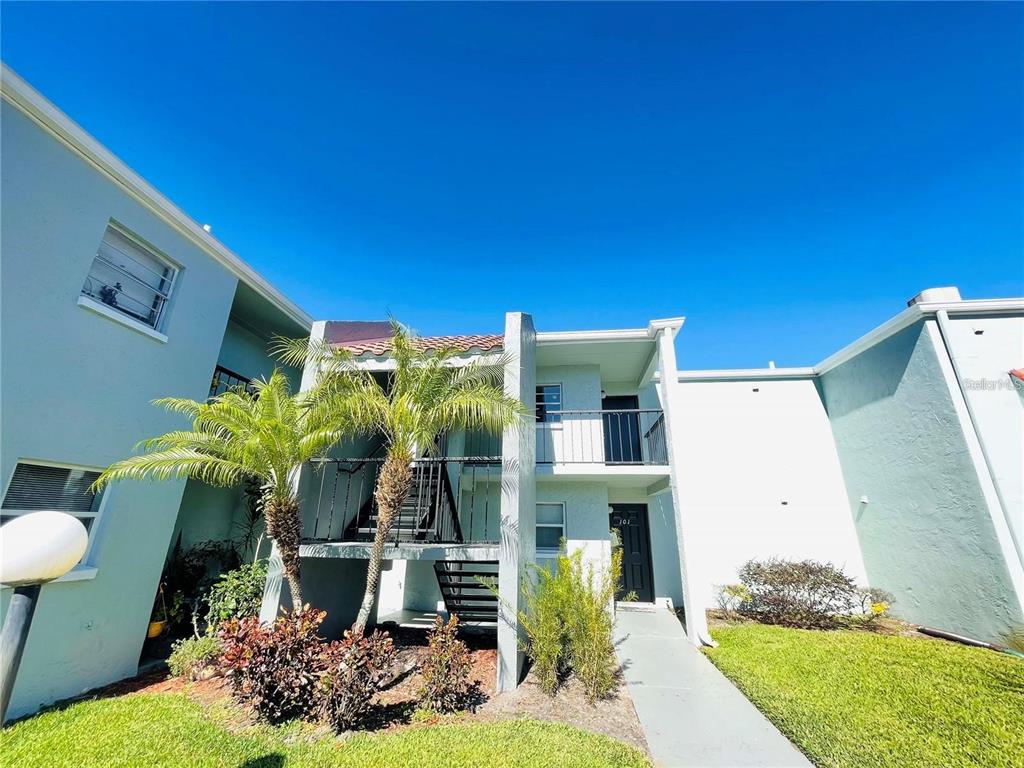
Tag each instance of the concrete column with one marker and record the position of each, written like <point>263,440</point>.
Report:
<point>696,619</point>
<point>518,496</point>
<point>276,588</point>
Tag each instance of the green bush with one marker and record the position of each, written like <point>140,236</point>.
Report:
<point>237,594</point>
<point>805,594</point>
<point>191,655</point>
<point>446,684</point>
<point>275,669</point>
<point>568,622</point>
<point>353,669</point>
<point>546,597</point>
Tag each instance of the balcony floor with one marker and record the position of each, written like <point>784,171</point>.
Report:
<point>615,475</point>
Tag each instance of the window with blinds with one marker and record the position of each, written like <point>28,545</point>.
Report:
<point>46,488</point>
<point>131,278</point>
<point>549,403</point>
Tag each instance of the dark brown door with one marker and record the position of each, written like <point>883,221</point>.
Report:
<point>630,520</point>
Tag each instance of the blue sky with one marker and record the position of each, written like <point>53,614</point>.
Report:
<point>786,176</point>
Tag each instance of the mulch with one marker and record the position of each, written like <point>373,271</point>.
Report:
<point>613,716</point>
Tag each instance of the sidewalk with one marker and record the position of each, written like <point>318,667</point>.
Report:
<point>692,715</point>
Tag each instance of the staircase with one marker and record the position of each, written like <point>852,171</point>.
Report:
<point>427,515</point>
<point>464,596</point>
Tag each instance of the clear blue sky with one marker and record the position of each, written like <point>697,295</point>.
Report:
<point>786,176</point>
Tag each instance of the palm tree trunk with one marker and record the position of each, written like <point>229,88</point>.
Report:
<point>284,526</point>
<point>393,486</point>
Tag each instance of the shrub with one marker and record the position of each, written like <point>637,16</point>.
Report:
<point>446,684</point>
<point>797,594</point>
<point>568,623</point>
<point>731,597</point>
<point>546,597</point>
<point>191,655</point>
<point>274,669</point>
<point>874,604</point>
<point>237,594</point>
<point>353,669</point>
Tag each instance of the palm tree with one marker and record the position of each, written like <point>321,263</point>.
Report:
<point>424,397</point>
<point>264,435</point>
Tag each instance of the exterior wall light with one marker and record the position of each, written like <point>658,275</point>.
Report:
<point>34,549</point>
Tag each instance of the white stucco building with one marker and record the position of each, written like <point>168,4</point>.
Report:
<point>897,459</point>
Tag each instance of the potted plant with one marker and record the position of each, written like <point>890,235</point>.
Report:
<point>157,626</point>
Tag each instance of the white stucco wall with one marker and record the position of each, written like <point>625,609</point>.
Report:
<point>759,476</point>
<point>985,349</point>
<point>578,437</point>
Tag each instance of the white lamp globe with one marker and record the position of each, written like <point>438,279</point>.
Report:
<point>40,547</point>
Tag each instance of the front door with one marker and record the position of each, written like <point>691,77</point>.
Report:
<point>621,429</point>
<point>630,520</point>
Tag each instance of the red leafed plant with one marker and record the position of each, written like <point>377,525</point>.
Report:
<point>446,668</point>
<point>353,669</point>
<point>275,669</point>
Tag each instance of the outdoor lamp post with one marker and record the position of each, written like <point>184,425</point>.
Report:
<point>34,549</point>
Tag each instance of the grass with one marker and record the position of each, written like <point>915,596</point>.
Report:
<point>860,699</point>
<point>173,730</point>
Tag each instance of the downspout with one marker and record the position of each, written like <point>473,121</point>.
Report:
<point>944,332</point>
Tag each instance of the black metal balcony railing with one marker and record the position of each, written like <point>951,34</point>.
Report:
<point>225,379</point>
<point>451,501</point>
<point>635,436</point>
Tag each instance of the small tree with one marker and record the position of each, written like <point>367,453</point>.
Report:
<point>424,397</point>
<point>265,435</point>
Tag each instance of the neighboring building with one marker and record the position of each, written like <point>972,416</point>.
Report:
<point>111,297</point>
<point>899,458</point>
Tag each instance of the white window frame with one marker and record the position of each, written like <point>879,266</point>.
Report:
<point>90,297</point>
<point>562,526</point>
<point>85,569</point>
<point>536,413</point>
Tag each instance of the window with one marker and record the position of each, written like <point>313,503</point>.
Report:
<point>550,525</point>
<point>549,403</point>
<point>130,278</point>
<point>46,488</point>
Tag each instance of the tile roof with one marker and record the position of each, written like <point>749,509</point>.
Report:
<point>484,343</point>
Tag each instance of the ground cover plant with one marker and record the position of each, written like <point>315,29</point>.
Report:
<point>191,656</point>
<point>165,730</point>
<point>855,699</point>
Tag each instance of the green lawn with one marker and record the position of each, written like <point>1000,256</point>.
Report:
<point>172,730</point>
<point>856,699</point>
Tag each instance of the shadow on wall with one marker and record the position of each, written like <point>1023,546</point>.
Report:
<point>335,585</point>
<point>876,374</point>
<point>668,579</point>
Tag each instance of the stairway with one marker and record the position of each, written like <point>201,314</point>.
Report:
<point>418,517</point>
<point>464,596</point>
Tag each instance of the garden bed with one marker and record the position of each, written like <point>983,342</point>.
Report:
<point>566,719</point>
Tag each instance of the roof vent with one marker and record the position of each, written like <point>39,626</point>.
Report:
<point>949,293</point>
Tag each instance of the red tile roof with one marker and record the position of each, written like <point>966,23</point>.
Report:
<point>483,343</point>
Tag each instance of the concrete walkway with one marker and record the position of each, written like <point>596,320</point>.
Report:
<point>692,715</point>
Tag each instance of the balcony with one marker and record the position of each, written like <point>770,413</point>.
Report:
<point>225,379</point>
<point>633,437</point>
<point>451,501</point>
